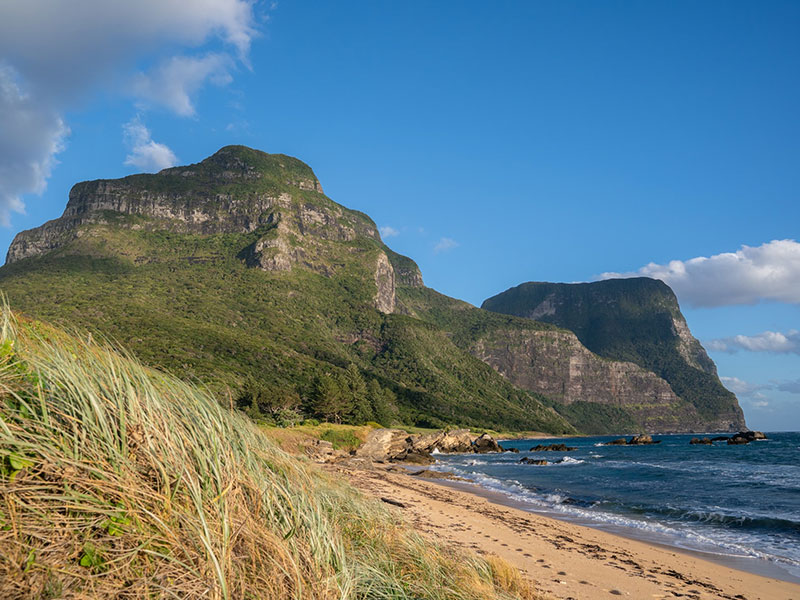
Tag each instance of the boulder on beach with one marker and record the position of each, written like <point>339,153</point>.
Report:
<point>485,443</point>
<point>384,445</point>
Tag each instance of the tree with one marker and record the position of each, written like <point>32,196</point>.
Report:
<point>259,400</point>
<point>383,403</point>
<point>356,390</point>
<point>330,400</point>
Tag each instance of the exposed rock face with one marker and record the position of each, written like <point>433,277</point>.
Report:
<point>384,280</point>
<point>237,190</point>
<point>556,364</point>
<point>636,320</point>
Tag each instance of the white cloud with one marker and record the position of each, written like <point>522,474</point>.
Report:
<point>32,134</point>
<point>54,54</point>
<point>792,387</point>
<point>744,388</point>
<point>173,83</point>
<point>768,341</point>
<point>749,275</point>
<point>387,231</point>
<point>445,244</point>
<point>146,154</point>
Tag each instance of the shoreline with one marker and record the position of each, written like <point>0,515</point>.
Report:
<point>567,560</point>
<point>747,564</point>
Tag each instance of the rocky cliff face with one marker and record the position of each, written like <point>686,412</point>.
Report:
<point>237,190</point>
<point>639,321</point>
<point>556,364</point>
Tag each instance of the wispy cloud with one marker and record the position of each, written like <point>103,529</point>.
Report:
<point>743,388</point>
<point>774,342</point>
<point>445,244</point>
<point>388,231</point>
<point>175,81</point>
<point>749,275</point>
<point>146,154</point>
<point>792,387</point>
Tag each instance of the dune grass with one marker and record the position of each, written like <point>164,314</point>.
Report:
<point>119,481</point>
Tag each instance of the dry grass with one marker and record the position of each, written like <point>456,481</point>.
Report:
<point>118,481</point>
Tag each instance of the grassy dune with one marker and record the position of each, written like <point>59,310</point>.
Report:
<point>118,481</point>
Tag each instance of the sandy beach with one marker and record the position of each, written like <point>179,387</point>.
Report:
<point>565,560</point>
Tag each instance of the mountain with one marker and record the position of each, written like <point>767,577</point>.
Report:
<point>238,269</point>
<point>636,320</point>
<point>239,272</point>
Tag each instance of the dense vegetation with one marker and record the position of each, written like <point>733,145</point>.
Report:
<point>630,320</point>
<point>121,481</point>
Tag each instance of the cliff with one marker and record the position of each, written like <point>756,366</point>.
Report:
<point>636,320</point>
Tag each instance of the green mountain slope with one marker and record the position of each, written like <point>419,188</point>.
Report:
<point>636,320</point>
<point>239,269</point>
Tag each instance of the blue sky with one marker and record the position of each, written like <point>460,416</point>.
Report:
<point>495,143</point>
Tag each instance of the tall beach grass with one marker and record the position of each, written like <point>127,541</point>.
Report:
<point>119,481</point>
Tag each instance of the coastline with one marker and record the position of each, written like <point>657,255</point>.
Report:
<point>566,560</point>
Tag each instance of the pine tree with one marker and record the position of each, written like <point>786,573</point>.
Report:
<point>382,402</point>
<point>356,388</point>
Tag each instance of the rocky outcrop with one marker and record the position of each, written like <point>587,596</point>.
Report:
<point>396,445</point>
<point>636,321</point>
<point>556,364</point>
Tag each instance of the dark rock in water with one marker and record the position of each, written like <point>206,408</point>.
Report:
<point>737,440</point>
<point>745,437</point>
<point>720,438</point>
<point>704,441</point>
<point>553,448</point>
<point>515,450</point>
<point>639,440</point>
<point>617,442</point>
<point>532,461</point>
<point>485,443</point>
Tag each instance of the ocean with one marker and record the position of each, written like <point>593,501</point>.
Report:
<point>737,504</point>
